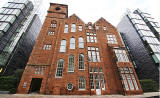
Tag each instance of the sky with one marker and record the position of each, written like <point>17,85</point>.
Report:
<point>111,10</point>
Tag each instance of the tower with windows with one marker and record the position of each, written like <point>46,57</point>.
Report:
<point>78,58</point>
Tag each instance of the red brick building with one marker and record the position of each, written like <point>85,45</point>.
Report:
<point>71,57</point>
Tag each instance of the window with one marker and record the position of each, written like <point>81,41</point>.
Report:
<point>90,27</point>
<point>121,55</point>
<point>82,83</point>
<point>128,75</point>
<point>81,62</point>
<point>81,42</point>
<point>47,47</point>
<point>66,28</point>
<point>71,63</point>
<point>63,46</point>
<point>24,85</point>
<point>73,27</point>
<point>93,54</point>
<point>39,69</point>
<point>59,71</point>
<point>104,28</point>
<point>91,37</point>
<point>91,81</point>
<point>72,43</point>
<point>53,24</point>
<point>51,33</point>
<point>155,48</point>
<point>96,76</point>
<point>112,39</point>
<point>4,26</point>
<point>80,28</point>
<point>97,27</point>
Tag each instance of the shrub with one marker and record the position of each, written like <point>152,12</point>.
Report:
<point>149,85</point>
<point>8,83</point>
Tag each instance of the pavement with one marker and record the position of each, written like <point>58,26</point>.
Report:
<point>145,95</point>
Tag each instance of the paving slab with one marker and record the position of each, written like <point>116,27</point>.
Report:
<point>145,95</point>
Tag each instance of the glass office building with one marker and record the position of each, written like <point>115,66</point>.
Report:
<point>19,27</point>
<point>140,33</point>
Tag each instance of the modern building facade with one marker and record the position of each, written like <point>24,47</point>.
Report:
<point>19,27</point>
<point>140,34</point>
<point>74,58</point>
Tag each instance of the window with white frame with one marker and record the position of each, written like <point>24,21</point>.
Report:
<point>97,27</point>
<point>128,75</point>
<point>80,28</point>
<point>71,63</point>
<point>66,28</point>
<point>81,42</point>
<point>59,70</point>
<point>82,83</point>
<point>90,27</point>
<point>121,55</point>
<point>51,33</point>
<point>39,69</point>
<point>47,47</point>
<point>104,28</point>
<point>112,39</point>
<point>73,27</point>
<point>96,78</point>
<point>72,43</point>
<point>91,37</point>
<point>81,62</point>
<point>93,54</point>
<point>63,46</point>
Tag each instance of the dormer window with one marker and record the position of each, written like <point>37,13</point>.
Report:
<point>57,8</point>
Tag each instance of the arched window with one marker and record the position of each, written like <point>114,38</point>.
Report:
<point>63,46</point>
<point>60,68</point>
<point>82,83</point>
<point>72,43</point>
<point>81,62</point>
<point>71,63</point>
<point>73,27</point>
<point>66,28</point>
<point>81,42</point>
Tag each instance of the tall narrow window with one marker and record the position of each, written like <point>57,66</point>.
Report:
<point>80,28</point>
<point>104,28</point>
<point>97,82</point>
<point>71,63</point>
<point>63,46</point>
<point>81,62</point>
<point>91,81</point>
<point>73,27</point>
<point>72,43</point>
<point>66,28</point>
<point>81,43</point>
<point>59,71</point>
<point>90,27</point>
<point>93,54</point>
<point>82,83</point>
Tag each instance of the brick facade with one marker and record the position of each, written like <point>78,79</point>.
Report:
<point>47,60</point>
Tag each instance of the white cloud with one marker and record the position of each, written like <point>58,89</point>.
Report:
<point>111,10</point>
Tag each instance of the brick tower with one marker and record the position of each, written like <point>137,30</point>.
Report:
<point>74,58</point>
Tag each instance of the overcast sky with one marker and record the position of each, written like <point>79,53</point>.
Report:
<point>111,10</point>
